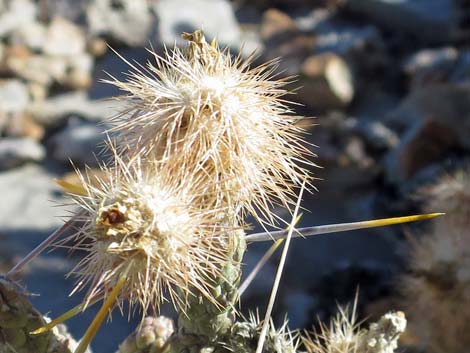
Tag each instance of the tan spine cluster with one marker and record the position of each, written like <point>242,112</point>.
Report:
<point>201,111</point>
<point>205,138</point>
<point>435,292</point>
<point>344,334</point>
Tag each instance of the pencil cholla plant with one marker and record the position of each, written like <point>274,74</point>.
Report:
<point>144,223</point>
<point>200,109</point>
<point>344,334</point>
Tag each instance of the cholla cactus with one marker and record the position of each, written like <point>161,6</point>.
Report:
<point>436,291</point>
<point>451,194</point>
<point>199,109</point>
<point>244,336</point>
<point>143,224</point>
<point>205,139</point>
<point>345,336</point>
<point>18,317</point>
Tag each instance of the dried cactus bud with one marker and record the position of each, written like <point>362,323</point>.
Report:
<point>150,337</point>
<point>382,337</point>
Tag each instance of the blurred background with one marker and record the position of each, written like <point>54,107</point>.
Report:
<point>388,85</point>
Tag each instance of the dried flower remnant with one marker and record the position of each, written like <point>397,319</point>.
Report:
<point>201,110</point>
<point>145,225</point>
<point>344,334</point>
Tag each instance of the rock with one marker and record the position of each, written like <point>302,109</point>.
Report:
<point>461,72</point>
<point>426,143</point>
<point>73,71</point>
<point>432,21</point>
<point>17,151</point>
<point>13,96</point>
<point>376,135</point>
<point>125,21</point>
<point>71,10</point>
<point>431,65</point>
<point>37,68</point>
<point>29,191</point>
<point>79,71</point>
<point>275,23</point>
<point>15,14</point>
<point>77,142</point>
<point>215,17</point>
<point>55,111</point>
<point>32,35</point>
<point>326,82</point>
<point>283,38</point>
<point>21,125</point>
<point>446,104</point>
<point>360,45</point>
<point>63,38</point>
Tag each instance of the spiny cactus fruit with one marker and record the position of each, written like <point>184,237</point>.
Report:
<point>344,334</point>
<point>143,223</point>
<point>201,110</point>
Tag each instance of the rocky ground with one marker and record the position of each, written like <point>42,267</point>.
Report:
<point>387,82</point>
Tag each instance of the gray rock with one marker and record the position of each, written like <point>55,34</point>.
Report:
<point>447,104</point>
<point>13,96</point>
<point>283,38</point>
<point>55,111</point>
<point>362,45</point>
<point>431,65</point>
<point>338,37</point>
<point>31,34</point>
<point>215,17</point>
<point>78,142</point>
<point>461,72</point>
<point>29,191</point>
<point>126,21</point>
<point>15,14</point>
<point>17,151</point>
<point>427,142</point>
<point>40,69</point>
<point>436,120</point>
<point>377,135</point>
<point>430,20</point>
<point>63,38</point>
